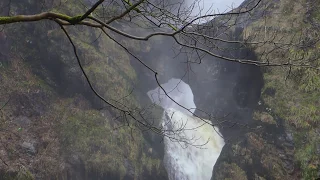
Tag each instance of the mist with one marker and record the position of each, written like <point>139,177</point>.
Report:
<point>192,151</point>
<point>205,7</point>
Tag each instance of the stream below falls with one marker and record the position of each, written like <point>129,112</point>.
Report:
<point>192,145</point>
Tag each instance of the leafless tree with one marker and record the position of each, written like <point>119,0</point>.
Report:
<point>204,34</point>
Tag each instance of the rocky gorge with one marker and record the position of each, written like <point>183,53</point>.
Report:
<point>53,126</point>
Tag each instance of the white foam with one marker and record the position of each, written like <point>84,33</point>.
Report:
<point>190,153</point>
<point>192,145</point>
<point>177,90</point>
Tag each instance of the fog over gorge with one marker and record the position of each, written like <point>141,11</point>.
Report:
<point>203,7</point>
<point>136,90</point>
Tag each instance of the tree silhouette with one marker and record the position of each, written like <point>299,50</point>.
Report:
<point>198,36</point>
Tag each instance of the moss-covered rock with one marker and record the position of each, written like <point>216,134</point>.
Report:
<point>105,146</point>
<point>49,95</point>
<point>264,117</point>
<point>230,171</point>
<point>295,91</point>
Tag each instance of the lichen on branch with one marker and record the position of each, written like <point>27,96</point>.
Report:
<point>38,17</point>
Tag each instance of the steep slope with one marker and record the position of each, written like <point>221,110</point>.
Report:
<point>52,125</point>
<point>272,127</point>
<point>287,146</point>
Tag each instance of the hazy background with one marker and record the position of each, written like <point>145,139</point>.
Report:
<point>216,5</point>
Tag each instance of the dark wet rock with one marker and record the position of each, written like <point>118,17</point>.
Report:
<point>289,166</point>
<point>270,92</point>
<point>230,171</point>
<point>74,159</point>
<point>289,137</point>
<point>129,168</point>
<point>29,147</point>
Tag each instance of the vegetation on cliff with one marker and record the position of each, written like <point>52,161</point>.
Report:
<point>292,94</point>
<point>48,127</point>
<point>50,123</point>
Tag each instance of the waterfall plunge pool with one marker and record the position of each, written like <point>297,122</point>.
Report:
<point>192,146</point>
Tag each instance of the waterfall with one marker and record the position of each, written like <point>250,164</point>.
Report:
<point>192,145</point>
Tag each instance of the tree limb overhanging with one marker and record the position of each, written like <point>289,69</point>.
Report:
<point>171,20</point>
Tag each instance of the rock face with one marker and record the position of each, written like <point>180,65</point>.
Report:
<point>50,126</point>
<point>259,143</point>
<point>270,132</point>
<point>29,147</point>
<point>252,146</point>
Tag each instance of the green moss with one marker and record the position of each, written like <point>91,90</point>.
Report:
<point>20,18</point>
<point>264,117</point>
<point>103,145</point>
<point>230,172</point>
<point>274,165</point>
<point>295,98</point>
<point>7,20</point>
<point>150,164</point>
<point>288,8</point>
<point>296,101</point>
<point>72,8</point>
<point>296,90</point>
<point>306,154</point>
<point>315,12</point>
<point>23,174</point>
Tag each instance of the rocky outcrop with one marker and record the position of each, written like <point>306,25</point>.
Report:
<point>51,126</point>
<point>271,131</point>
<point>261,143</point>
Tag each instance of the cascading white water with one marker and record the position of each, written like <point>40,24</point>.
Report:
<point>177,90</point>
<point>192,145</point>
